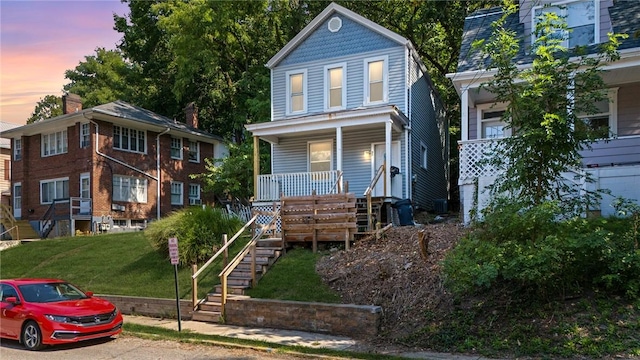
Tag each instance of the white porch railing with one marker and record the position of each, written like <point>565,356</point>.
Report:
<point>296,184</point>
<point>473,156</point>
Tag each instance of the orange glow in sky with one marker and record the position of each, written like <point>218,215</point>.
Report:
<point>40,40</point>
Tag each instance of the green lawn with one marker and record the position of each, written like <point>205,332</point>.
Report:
<point>127,264</point>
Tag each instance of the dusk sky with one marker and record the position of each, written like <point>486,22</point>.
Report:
<point>40,40</point>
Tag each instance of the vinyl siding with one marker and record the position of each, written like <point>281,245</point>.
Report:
<point>351,39</point>
<point>354,86</point>
<point>628,110</point>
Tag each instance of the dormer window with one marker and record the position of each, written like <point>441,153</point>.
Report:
<point>296,92</point>
<point>581,17</point>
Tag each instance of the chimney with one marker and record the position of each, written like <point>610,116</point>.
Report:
<point>71,103</point>
<point>191,112</point>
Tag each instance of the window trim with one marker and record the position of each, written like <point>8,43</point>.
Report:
<point>17,149</point>
<point>64,143</point>
<point>181,185</point>
<point>142,180</point>
<point>83,176</point>
<point>612,96</point>
<point>309,143</point>
<point>54,180</point>
<point>305,92</point>
<point>563,13</point>
<point>85,143</point>
<point>179,148</point>
<point>195,196</point>
<point>327,86</point>
<point>481,108</point>
<point>197,159</point>
<point>120,148</point>
<point>385,79</point>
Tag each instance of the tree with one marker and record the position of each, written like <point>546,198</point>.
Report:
<point>48,107</point>
<point>544,106</point>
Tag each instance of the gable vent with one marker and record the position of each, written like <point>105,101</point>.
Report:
<point>334,24</point>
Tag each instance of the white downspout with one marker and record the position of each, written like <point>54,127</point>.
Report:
<point>156,178</point>
<point>158,171</point>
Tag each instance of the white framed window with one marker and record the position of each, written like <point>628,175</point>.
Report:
<point>194,194</point>
<point>320,155</point>
<point>606,119</point>
<point>176,148</point>
<point>17,149</point>
<point>334,24</point>
<point>490,124</point>
<point>129,189</point>
<point>129,139</point>
<point>296,92</point>
<point>335,91</point>
<point>376,80</point>
<point>53,189</point>
<point>582,18</point>
<point>194,151</point>
<point>54,143</point>
<point>176,193</point>
<point>85,135</point>
<point>424,155</point>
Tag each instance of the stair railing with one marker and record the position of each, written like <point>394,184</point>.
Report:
<point>336,184</point>
<point>223,249</point>
<point>369,190</point>
<point>249,248</point>
<point>8,220</point>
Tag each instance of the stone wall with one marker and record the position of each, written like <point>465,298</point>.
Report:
<point>356,321</point>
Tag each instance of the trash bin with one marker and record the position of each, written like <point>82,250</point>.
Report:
<point>405,212</point>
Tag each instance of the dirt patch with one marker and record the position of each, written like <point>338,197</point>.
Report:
<point>392,272</point>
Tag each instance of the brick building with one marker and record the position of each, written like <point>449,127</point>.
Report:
<point>107,168</point>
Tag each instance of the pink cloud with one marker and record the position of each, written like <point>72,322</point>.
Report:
<point>40,40</point>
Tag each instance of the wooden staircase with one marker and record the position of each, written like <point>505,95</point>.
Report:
<point>23,231</point>
<point>267,252</point>
<point>362,216</point>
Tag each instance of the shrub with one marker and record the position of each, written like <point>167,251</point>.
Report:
<point>199,232</point>
<point>536,249</point>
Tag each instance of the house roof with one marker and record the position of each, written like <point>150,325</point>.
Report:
<point>5,126</point>
<point>625,18</point>
<point>118,112</point>
<point>329,11</point>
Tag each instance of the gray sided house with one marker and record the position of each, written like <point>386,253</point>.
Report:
<point>614,162</point>
<point>347,96</point>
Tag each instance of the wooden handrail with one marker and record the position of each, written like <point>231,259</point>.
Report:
<point>367,193</point>
<point>9,231</point>
<point>336,183</point>
<point>250,247</point>
<point>375,179</point>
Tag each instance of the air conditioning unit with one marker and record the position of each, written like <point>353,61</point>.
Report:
<point>193,201</point>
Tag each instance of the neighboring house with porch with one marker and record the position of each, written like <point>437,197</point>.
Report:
<point>5,163</point>
<point>614,163</point>
<point>350,99</point>
<point>106,168</point>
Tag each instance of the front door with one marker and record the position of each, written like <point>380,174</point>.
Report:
<point>378,160</point>
<point>85,194</point>
<point>17,200</point>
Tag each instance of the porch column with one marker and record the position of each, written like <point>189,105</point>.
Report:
<point>339,152</point>
<point>387,159</point>
<point>464,114</point>
<point>256,165</point>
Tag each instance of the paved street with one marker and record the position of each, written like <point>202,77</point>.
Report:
<point>126,347</point>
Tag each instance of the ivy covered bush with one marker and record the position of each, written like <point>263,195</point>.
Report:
<point>199,231</point>
<point>537,249</point>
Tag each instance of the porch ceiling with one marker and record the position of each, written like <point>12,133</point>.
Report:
<point>328,122</point>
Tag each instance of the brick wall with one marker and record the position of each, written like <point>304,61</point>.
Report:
<point>356,321</point>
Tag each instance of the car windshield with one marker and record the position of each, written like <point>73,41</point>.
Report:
<point>50,292</point>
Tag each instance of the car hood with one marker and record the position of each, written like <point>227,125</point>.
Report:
<point>82,307</point>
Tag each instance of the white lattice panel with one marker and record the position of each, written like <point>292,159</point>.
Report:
<point>473,159</point>
<point>265,219</point>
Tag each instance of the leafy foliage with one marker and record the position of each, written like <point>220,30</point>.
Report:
<point>199,232</point>
<point>548,138</point>
<point>48,107</point>
<point>538,250</point>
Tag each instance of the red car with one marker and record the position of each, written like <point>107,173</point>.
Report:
<point>39,312</point>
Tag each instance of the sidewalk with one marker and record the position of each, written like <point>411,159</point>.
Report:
<point>283,337</point>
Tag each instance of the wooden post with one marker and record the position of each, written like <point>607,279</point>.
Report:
<point>226,251</point>
<point>223,295</point>
<point>313,223</point>
<point>377,230</point>
<point>194,286</point>
<point>253,265</point>
<point>256,165</point>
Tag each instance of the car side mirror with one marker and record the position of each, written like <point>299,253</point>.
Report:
<point>12,300</point>
<point>89,293</point>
